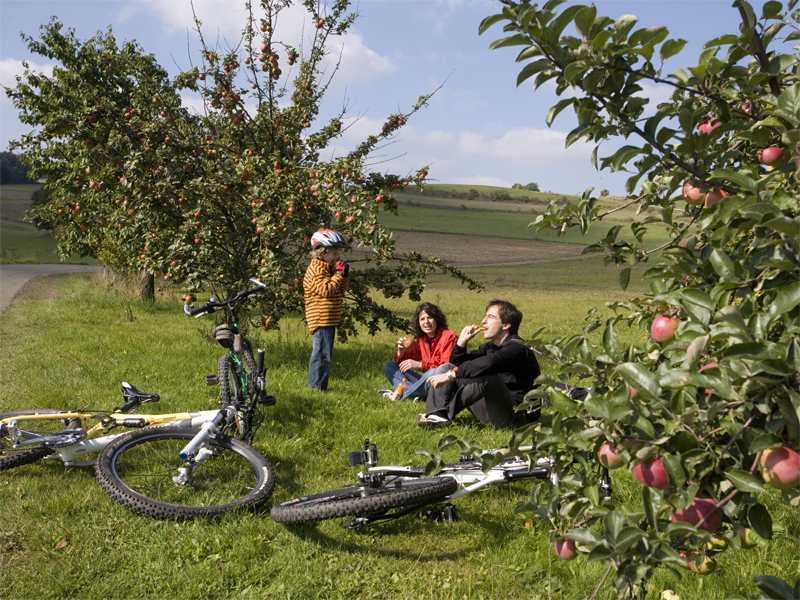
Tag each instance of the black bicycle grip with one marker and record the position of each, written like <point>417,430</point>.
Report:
<point>199,310</point>
<point>260,362</point>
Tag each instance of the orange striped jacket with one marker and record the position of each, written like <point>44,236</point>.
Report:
<point>323,288</point>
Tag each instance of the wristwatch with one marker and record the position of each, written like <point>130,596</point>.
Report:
<point>451,375</point>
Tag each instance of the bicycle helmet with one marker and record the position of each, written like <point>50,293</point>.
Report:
<point>328,238</point>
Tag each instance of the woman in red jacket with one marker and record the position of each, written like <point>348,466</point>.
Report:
<point>431,348</point>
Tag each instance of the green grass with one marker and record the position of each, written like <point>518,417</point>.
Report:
<point>17,193</point>
<point>487,190</point>
<point>502,225</point>
<point>26,245</point>
<point>62,537</point>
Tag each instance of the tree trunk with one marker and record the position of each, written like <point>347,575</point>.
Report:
<point>147,287</point>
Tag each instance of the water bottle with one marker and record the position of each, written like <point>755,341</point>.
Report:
<point>398,393</point>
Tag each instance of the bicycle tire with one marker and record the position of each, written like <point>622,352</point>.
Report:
<point>230,387</point>
<point>11,457</point>
<point>136,471</point>
<point>349,502</point>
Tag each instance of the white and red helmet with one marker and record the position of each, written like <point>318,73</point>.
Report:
<point>328,238</point>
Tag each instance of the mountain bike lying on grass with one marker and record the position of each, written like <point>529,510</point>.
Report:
<point>406,489</point>
<point>167,469</point>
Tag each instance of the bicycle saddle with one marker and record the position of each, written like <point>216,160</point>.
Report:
<point>134,398</point>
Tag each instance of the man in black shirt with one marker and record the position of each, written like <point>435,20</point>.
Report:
<point>490,381</point>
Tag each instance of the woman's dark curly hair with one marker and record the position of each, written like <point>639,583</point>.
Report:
<point>433,312</point>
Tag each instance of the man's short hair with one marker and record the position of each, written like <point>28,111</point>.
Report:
<point>508,313</point>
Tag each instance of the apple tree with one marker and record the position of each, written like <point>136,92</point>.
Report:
<point>209,198</point>
<point>706,413</point>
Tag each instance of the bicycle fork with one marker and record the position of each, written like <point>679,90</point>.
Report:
<point>197,451</point>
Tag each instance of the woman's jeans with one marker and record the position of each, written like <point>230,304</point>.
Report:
<point>416,385</point>
<point>319,367</point>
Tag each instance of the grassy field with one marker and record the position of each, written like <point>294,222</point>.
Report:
<point>62,537</point>
<point>502,225</point>
<point>19,241</point>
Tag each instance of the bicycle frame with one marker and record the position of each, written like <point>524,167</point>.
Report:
<point>94,440</point>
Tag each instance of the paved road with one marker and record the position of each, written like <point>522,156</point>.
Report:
<point>13,277</point>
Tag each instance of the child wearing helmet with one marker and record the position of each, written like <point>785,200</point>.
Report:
<point>325,282</point>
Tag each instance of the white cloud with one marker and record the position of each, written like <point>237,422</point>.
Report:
<point>10,68</point>
<point>223,21</point>
<point>437,14</point>
<point>481,180</point>
<point>525,146</point>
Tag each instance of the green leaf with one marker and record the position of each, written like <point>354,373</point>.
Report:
<point>779,63</point>
<point>553,112</point>
<point>623,25</point>
<point>774,588</point>
<point>636,376</point>
<point>519,39</point>
<point>613,523</point>
<point>611,343</point>
<point>670,48</point>
<point>786,300</point>
<point>760,520</point>
<point>722,264</point>
<point>744,481</point>
<point>737,177</point>
<point>489,21</point>
<point>564,404</point>
<point>672,465</point>
<point>624,277</point>
<point>531,69</point>
<point>584,20</point>
<point>597,408</point>
<point>652,502</point>
<point>586,537</point>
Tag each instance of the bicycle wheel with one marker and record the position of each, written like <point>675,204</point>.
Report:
<point>141,471</point>
<point>230,386</point>
<point>360,502</point>
<point>12,457</point>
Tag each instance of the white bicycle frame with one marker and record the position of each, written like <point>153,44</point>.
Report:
<point>69,453</point>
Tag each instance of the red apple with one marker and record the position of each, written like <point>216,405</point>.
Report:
<point>338,216</point>
<point>652,474</point>
<point>707,564</point>
<point>700,508</point>
<point>709,126</point>
<point>89,142</point>
<point>715,196</point>
<point>566,549</point>
<point>607,455</point>
<point>663,328</point>
<point>773,156</point>
<point>349,219</point>
<point>692,193</point>
<point>83,227</point>
<point>189,298</point>
<point>781,467</point>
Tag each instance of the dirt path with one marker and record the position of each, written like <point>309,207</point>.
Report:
<point>14,277</point>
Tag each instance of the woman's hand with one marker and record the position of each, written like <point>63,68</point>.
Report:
<point>408,365</point>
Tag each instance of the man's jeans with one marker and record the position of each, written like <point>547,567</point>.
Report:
<point>319,367</point>
<point>416,385</point>
<point>485,397</point>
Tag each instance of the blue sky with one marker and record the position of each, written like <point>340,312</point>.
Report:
<point>479,128</point>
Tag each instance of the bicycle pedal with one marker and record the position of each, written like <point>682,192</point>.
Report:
<point>443,514</point>
<point>268,400</point>
<point>212,379</point>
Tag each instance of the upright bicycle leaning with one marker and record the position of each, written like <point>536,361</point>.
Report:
<point>167,468</point>
<point>388,492</point>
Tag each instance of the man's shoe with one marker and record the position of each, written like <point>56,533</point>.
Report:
<point>433,421</point>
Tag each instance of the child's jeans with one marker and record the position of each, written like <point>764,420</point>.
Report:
<point>319,366</point>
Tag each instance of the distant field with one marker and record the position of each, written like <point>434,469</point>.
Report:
<point>487,190</point>
<point>502,225</point>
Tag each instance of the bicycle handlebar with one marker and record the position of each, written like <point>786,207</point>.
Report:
<point>213,305</point>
